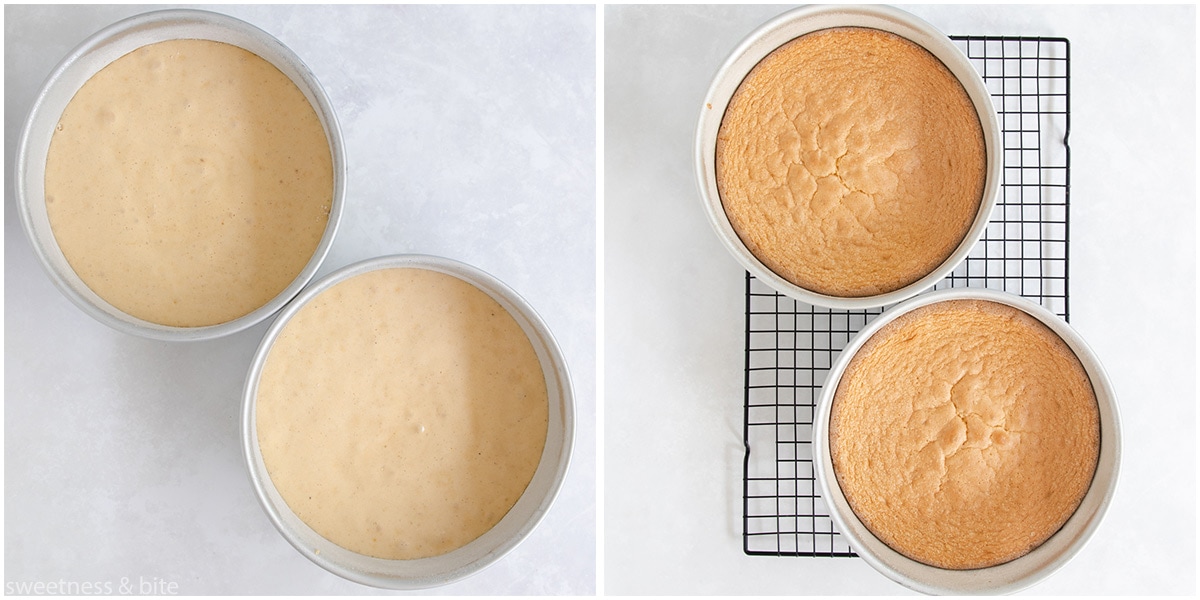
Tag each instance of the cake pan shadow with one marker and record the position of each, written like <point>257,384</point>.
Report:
<point>505,535</point>
<point>794,24</point>
<point>1003,578</point>
<point>87,59</point>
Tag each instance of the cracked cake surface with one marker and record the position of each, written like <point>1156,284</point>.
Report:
<point>851,162</point>
<point>964,434</point>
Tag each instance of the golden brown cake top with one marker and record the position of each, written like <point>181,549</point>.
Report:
<point>964,434</point>
<point>850,162</point>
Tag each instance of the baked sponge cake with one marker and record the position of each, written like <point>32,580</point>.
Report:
<point>964,434</point>
<point>851,162</point>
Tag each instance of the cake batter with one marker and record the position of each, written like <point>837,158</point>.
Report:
<point>402,413</point>
<point>188,182</point>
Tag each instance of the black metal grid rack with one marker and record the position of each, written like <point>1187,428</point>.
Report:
<point>791,345</point>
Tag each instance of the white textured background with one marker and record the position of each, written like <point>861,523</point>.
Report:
<point>470,134</point>
<point>674,300</point>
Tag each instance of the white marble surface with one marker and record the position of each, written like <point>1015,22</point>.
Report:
<point>470,134</point>
<point>673,299</point>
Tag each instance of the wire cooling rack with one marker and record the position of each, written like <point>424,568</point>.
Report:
<point>790,345</point>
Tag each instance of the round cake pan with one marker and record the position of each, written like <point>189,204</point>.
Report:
<point>520,521</point>
<point>787,27</point>
<point>86,60</point>
<point>1007,577</point>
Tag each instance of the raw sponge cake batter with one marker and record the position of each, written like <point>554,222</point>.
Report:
<point>188,182</point>
<point>401,413</point>
<point>964,434</point>
<point>850,162</point>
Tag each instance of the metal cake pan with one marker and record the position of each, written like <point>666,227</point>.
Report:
<point>97,52</point>
<point>808,19</point>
